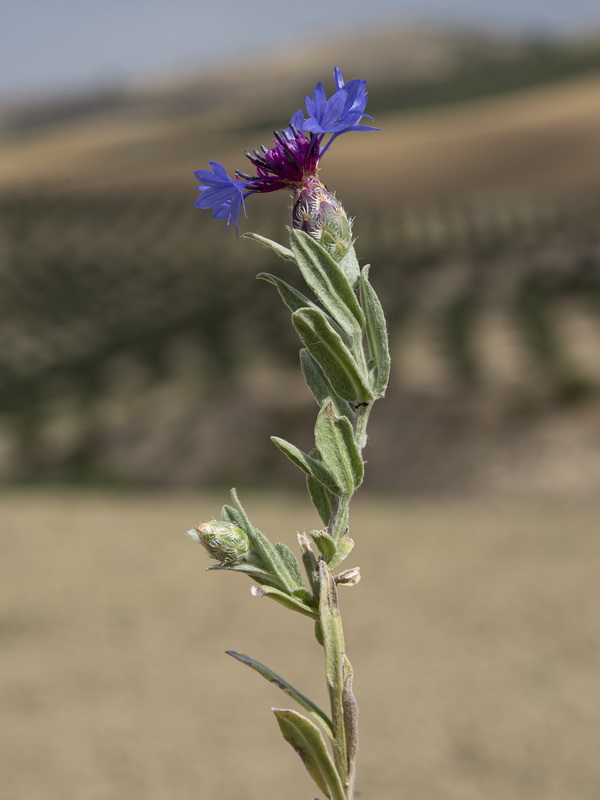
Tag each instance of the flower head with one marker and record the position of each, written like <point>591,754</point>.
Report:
<point>292,162</point>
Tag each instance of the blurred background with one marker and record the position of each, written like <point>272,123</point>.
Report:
<point>142,370</point>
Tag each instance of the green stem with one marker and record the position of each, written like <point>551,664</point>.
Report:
<point>344,713</point>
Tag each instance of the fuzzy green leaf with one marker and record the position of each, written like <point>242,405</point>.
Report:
<point>287,600</point>
<point>335,359</point>
<point>334,438</point>
<point>307,464</point>
<point>304,595</point>
<point>349,266</point>
<point>229,514</point>
<point>257,574</point>
<point>377,335</point>
<point>307,704</point>
<point>308,742</point>
<point>322,499</point>
<point>344,547</point>
<point>282,251</point>
<point>263,551</point>
<point>290,561</point>
<point>321,388</point>
<point>326,544</point>
<point>290,296</point>
<point>327,281</point>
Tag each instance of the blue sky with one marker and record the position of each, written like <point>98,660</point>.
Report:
<point>57,45</point>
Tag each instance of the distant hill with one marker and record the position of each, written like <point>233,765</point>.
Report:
<point>460,112</point>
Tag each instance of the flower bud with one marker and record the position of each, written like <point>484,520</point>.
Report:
<point>318,212</point>
<point>223,541</point>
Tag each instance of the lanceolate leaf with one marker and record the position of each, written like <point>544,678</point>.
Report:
<point>335,439</point>
<point>290,561</point>
<point>307,741</point>
<point>349,266</point>
<point>327,281</point>
<point>322,499</point>
<point>344,548</point>
<point>320,387</point>
<point>229,514</point>
<point>287,600</point>
<point>335,359</point>
<point>307,464</point>
<point>315,712</point>
<point>377,335</point>
<point>267,554</point>
<point>327,546</point>
<point>290,296</point>
<point>282,251</point>
<point>257,574</point>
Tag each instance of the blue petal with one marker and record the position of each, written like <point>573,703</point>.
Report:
<point>297,120</point>
<point>221,192</point>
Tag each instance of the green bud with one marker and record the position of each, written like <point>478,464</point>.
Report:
<point>223,541</point>
<point>319,213</point>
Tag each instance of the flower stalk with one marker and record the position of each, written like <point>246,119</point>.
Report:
<point>345,362</point>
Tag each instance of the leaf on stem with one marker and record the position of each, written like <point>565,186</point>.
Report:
<point>327,546</point>
<point>328,282</point>
<point>349,266</point>
<point>335,359</point>
<point>344,547</point>
<point>256,573</point>
<point>321,388</point>
<point>282,251</point>
<point>266,553</point>
<point>307,704</point>
<point>307,464</point>
<point>335,440</point>
<point>308,742</point>
<point>290,296</point>
<point>229,514</point>
<point>377,335</point>
<point>322,499</point>
<point>287,600</point>
<point>290,561</point>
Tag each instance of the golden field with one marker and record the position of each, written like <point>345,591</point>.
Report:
<point>473,633</point>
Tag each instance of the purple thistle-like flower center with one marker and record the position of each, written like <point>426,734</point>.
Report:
<point>287,165</point>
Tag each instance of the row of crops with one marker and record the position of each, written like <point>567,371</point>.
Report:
<point>108,300</point>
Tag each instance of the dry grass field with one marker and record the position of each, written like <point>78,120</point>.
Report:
<point>474,634</point>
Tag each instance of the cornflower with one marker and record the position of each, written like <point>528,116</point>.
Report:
<point>345,361</point>
<point>292,163</point>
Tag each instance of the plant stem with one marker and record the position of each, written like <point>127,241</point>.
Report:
<point>344,711</point>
